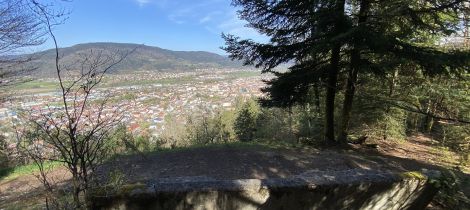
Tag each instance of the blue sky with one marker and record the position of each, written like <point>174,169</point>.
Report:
<point>171,24</point>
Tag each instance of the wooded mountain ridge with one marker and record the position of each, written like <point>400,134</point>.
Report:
<point>140,58</point>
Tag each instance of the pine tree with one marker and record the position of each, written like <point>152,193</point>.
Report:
<point>307,32</point>
<point>327,38</point>
<point>245,123</point>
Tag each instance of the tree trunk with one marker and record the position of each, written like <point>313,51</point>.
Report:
<point>315,112</point>
<point>330,97</point>
<point>76,189</point>
<point>352,78</point>
<point>429,123</point>
<point>316,91</point>
<point>349,97</point>
<point>391,90</point>
<point>309,120</point>
<point>428,119</point>
<point>333,77</point>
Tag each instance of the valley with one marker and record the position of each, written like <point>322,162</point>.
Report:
<point>146,100</point>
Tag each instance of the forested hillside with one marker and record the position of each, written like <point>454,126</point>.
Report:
<point>142,58</point>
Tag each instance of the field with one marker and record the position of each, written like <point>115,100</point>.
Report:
<point>137,79</point>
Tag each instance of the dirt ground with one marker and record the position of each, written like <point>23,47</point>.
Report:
<point>26,192</point>
<point>229,162</point>
<point>240,162</point>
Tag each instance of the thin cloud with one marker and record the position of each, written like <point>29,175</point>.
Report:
<point>142,2</point>
<point>209,17</point>
<point>202,12</point>
<point>216,16</point>
<point>180,16</point>
<point>205,19</point>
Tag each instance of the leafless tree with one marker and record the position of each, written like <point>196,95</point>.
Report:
<point>20,28</point>
<point>77,132</point>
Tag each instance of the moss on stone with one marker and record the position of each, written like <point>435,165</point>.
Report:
<point>414,175</point>
<point>128,188</point>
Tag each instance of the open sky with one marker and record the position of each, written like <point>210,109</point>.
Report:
<point>194,25</point>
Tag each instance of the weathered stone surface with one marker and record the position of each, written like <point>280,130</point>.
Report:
<point>347,189</point>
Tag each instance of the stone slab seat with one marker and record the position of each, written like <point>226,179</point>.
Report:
<point>346,189</point>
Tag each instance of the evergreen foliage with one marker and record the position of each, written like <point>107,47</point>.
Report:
<point>245,122</point>
<point>326,40</point>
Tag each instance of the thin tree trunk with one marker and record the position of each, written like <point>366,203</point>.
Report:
<point>316,90</point>
<point>309,120</point>
<point>391,90</point>
<point>428,119</point>
<point>316,112</point>
<point>352,78</point>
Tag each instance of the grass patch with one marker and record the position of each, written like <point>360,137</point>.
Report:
<point>14,172</point>
<point>36,84</point>
<point>237,144</point>
<point>242,74</point>
<point>444,156</point>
